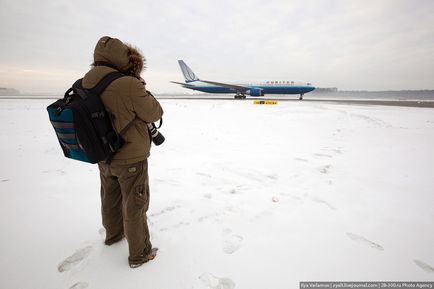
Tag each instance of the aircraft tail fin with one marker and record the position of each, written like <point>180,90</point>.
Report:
<point>189,75</point>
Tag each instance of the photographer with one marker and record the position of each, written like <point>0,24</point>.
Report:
<point>124,182</point>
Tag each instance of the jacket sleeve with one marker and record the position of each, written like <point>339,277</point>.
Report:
<point>146,107</point>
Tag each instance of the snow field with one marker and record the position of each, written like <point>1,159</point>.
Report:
<point>242,196</point>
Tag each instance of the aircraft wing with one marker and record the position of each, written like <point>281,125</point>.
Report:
<point>233,86</point>
<point>182,83</point>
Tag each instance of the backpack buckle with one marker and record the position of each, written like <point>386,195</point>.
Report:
<point>58,111</point>
<point>112,149</point>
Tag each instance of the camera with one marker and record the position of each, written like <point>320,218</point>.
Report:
<point>156,136</point>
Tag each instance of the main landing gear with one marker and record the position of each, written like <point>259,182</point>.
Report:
<point>240,96</point>
<point>301,96</point>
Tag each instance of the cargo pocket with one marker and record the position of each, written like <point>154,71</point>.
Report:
<point>141,198</point>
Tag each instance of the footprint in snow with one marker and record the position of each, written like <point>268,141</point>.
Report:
<point>175,226</point>
<point>320,201</point>
<point>273,176</point>
<point>204,175</point>
<point>207,196</point>
<point>60,172</point>
<point>233,192</point>
<point>424,266</point>
<point>166,210</point>
<point>364,241</point>
<point>323,155</point>
<point>168,182</point>
<point>226,232</point>
<point>325,169</point>
<point>215,282</point>
<point>79,285</point>
<point>74,259</point>
<point>232,243</point>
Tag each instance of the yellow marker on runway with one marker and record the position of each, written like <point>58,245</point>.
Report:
<point>272,102</point>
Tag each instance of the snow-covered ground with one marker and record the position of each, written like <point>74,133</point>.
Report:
<point>242,196</point>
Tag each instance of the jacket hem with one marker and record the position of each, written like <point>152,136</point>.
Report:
<point>118,162</point>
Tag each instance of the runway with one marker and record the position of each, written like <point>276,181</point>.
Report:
<point>405,103</point>
<point>392,102</point>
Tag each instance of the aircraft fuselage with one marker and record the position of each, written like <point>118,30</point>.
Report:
<point>265,88</point>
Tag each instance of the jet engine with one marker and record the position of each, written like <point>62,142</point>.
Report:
<point>256,92</point>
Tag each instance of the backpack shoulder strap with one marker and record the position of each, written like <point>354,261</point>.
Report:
<point>127,127</point>
<point>78,84</point>
<point>73,88</point>
<point>109,78</point>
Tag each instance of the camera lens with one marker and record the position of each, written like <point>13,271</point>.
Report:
<point>157,137</point>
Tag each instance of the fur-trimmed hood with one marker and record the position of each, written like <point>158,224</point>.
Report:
<point>124,57</point>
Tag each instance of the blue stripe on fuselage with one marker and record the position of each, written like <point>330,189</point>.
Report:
<point>266,89</point>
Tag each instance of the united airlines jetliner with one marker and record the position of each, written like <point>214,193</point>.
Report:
<point>241,90</point>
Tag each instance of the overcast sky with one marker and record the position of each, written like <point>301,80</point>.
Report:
<point>374,45</point>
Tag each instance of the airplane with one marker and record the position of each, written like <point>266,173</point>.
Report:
<point>241,90</point>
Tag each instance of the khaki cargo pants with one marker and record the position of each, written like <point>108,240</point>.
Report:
<point>124,203</point>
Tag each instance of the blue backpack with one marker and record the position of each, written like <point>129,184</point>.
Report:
<point>82,124</point>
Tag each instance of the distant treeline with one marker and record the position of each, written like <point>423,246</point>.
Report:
<point>9,91</point>
<point>395,94</point>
